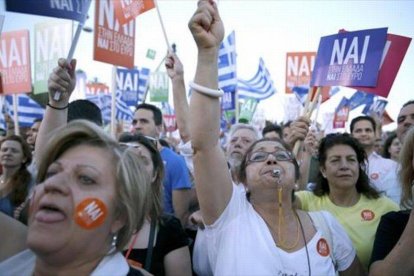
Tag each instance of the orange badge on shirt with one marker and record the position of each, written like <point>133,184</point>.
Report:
<point>322,247</point>
<point>367,215</point>
<point>374,176</point>
<point>90,213</point>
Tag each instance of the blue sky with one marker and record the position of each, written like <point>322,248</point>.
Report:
<point>266,29</point>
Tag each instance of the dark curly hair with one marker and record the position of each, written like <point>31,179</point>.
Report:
<point>328,142</point>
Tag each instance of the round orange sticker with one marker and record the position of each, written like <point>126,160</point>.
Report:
<point>90,213</point>
<point>367,215</point>
<point>322,247</point>
<point>374,176</point>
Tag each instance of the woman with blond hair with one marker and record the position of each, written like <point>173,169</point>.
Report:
<point>89,200</point>
<point>394,243</point>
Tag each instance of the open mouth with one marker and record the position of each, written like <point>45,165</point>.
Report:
<point>49,213</point>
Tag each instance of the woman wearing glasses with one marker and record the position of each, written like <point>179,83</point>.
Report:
<point>256,232</point>
<point>343,189</point>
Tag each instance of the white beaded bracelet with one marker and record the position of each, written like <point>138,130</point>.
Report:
<point>205,90</point>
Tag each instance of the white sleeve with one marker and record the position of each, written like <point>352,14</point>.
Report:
<point>343,250</point>
<point>186,151</point>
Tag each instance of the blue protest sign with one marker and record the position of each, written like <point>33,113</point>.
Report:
<point>69,9</point>
<point>228,101</point>
<point>349,58</point>
<point>127,81</point>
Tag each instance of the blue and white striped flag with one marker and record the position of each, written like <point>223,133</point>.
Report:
<point>260,87</point>
<point>227,70</point>
<point>144,75</point>
<point>27,109</point>
<point>103,101</point>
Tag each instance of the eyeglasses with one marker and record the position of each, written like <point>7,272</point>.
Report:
<point>280,155</point>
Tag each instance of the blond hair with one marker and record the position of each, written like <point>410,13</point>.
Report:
<point>132,181</point>
<point>406,173</point>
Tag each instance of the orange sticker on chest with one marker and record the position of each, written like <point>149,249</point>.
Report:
<point>367,215</point>
<point>90,213</point>
<point>323,248</point>
<point>374,176</point>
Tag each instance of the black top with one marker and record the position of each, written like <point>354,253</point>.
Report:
<point>389,231</point>
<point>170,236</point>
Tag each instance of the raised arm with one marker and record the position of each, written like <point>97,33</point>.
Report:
<point>212,178</point>
<point>176,73</point>
<point>399,260</point>
<point>62,79</point>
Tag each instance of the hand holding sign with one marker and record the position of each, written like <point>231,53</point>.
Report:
<point>62,80</point>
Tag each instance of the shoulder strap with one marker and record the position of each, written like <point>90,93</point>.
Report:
<point>150,247</point>
<point>320,222</point>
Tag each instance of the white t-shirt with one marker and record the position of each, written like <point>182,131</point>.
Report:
<point>383,175</point>
<point>240,243</point>
<point>23,263</point>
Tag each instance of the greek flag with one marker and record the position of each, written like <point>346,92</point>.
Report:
<point>227,76</point>
<point>103,101</point>
<point>260,87</point>
<point>28,109</point>
<point>144,75</point>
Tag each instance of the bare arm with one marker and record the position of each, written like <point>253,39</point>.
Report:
<point>181,201</point>
<point>62,79</point>
<point>212,178</point>
<point>176,73</point>
<point>399,260</point>
<point>355,269</point>
<point>178,262</point>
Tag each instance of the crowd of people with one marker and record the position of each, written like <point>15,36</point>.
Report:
<point>76,201</point>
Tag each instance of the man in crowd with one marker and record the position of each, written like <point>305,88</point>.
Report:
<point>382,172</point>
<point>177,185</point>
<point>405,120</point>
<point>31,134</point>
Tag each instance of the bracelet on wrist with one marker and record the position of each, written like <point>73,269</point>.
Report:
<point>57,108</point>
<point>205,90</point>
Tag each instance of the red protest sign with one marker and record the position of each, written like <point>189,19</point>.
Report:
<point>299,66</point>
<point>127,10</point>
<point>15,62</point>
<point>170,122</point>
<point>113,43</point>
<point>95,88</point>
<point>394,52</point>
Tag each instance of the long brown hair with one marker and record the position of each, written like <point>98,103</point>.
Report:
<point>20,181</point>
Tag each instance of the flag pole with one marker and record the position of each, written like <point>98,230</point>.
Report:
<point>15,115</point>
<point>75,40</point>
<point>162,26</point>
<point>113,101</point>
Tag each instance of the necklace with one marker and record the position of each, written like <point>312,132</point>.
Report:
<point>281,220</point>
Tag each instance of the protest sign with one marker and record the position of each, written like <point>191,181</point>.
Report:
<point>15,65</point>
<point>393,55</point>
<point>113,43</point>
<point>127,10</point>
<point>52,41</point>
<point>127,82</point>
<point>68,9</point>
<point>158,87</point>
<point>349,58</point>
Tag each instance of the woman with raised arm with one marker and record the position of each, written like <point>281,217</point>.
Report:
<point>257,231</point>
